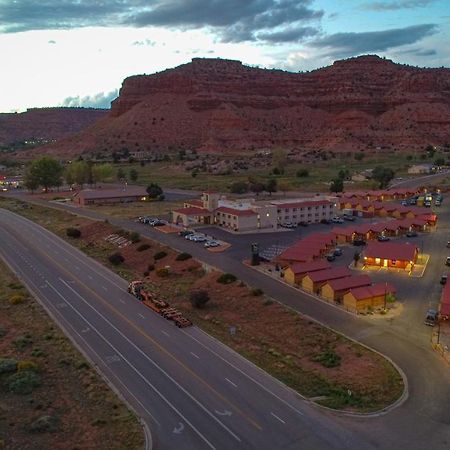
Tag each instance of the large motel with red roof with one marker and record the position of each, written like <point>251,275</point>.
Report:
<point>248,214</point>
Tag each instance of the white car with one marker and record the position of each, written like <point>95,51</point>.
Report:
<point>212,244</point>
<point>199,239</point>
<point>337,220</point>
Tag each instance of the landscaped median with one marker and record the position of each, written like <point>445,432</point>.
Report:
<point>321,365</point>
<point>51,398</point>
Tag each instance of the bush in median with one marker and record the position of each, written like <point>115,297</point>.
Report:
<point>199,299</point>
<point>183,256</point>
<point>116,258</point>
<point>226,278</point>
<point>73,232</point>
<point>143,247</point>
<point>159,255</point>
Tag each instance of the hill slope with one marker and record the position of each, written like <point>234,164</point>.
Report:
<point>215,105</point>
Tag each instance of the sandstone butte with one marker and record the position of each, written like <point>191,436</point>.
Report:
<point>215,105</point>
<point>46,123</point>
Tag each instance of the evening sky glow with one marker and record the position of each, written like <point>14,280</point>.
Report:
<point>77,53</point>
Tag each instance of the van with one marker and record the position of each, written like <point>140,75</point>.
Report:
<point>431,318</point>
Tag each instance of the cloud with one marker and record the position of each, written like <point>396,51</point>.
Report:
<point>100,100</point>
<point>51,41</point>
<point>233,20</point>
<point>288,35</point>
<point>394,5</point>
<point>147,42</point>
<point>419,52</point>
<point>351,44</point>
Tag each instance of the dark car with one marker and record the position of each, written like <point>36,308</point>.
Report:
<point>359,242</point>
<point>331,257</point>
<point>431,318</point>
<point>443,279</point>
<point>185,232</point>
<point>382,238</point>
<point>447,261</point>
<point>411,234</point>
<point>337,251</point>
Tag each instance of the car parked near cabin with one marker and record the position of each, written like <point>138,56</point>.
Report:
<point>359,242</point>
<point>411,233</point>
<point>431,317</point>
<point>337,251</point>
<point>382,238</point>
<point>443,279</point>
<point>331,257</point>
<point>212,243</point>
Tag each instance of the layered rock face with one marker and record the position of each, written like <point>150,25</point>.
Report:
<point>218,105</point>
<point>44,124</point>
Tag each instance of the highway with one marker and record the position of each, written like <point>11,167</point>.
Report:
<point>190,390</point>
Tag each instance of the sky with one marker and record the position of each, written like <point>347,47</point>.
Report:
<point>78,52</point>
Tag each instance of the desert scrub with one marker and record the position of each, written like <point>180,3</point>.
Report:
<point>183,256</point>
<point>159,255</point>
<point>226,278</point>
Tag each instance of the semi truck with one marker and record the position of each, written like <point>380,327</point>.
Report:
<point>137,289</point>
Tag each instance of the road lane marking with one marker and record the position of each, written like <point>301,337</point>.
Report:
<point>131,365</point>
<point>223,413</point>
<point>179,429</point>
<point>157,366</point>
<point>233,384</point>
<point>121,301</point>
<point>89,277</point>
<point>195,356</point>
<point>105,288</point>
<point>278,418</point>
<point>141,315</point>
<point>249,377</point>
<point>165,332</point>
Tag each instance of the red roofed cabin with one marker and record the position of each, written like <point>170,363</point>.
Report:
<point>334,290</point>
<point>314,281</point>
<point>362,299</point>
<point>295,273</point>
<point>389,254</point>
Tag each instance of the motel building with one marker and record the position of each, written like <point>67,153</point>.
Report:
<point>387,254</point>
<point>365,298</point>
<point>295,273</point>
<point>333,290</point>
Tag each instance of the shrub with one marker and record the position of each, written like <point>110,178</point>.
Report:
<point>135,237</point>
<point>73,232</point>
<point>8,365</point>
<point>3,331</point>
<point>116,258</point>
<point>163,272</point>
<point>183,256</point>
<point>199,298</point>
<point>150,267</point>
<point>303,173</point>
<point>146,273</point>
<point>44,424</point>
<point>328,358</point>
<point>16,299</point>
<point>159,255</point>
<point>143,247</point>
<point>23,341</point>
<point>27,365</point>
<point>23,382</point>
<point>37,352</point>
<point>256,292</point>
<point>226,278</point>
<point>268,302</point>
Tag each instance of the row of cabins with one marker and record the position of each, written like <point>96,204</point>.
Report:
<point>366,208</point>
<point>381,195</point>
<point>336,285</point>
<point>391,228</point>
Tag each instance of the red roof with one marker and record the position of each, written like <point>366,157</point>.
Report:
<point>329,274</point>
<point>344,231</point>
<point>313,266</point>
<point>302,204</point>
<point>298,254</point>
<point>192,211</point>
<point>236,212</point>
<point>323,238</point>
<point>342,284</point>
<point>390,250</point>
<point>361,293</point>
<point>194,202</point>
<point>445,297</point>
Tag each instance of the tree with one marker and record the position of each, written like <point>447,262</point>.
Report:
<point>199,298</point>
<point>303,173</point>
<point>121,174</point>
<point>383,175</point>
<point>337,185</point>
<point>271,186</point>
<point>430,151</point>
<point>279,159</point>
<point>359,156</point>
<point>239,187</point>
<point>257,188</point>
<point>78,172</point>
<point>344,174</point>
<point>439,161</point>
<point>102,172</point>
<point>45,172</point>
<point>133,175</point>
<point>154,190</point>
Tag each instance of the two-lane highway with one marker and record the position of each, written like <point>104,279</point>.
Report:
<point>192,391</point>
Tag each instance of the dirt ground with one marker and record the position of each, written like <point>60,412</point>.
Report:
<point>315,361</point>
<point>81,410</point>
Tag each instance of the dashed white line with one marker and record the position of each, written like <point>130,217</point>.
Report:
<point>276,417</point>
<point>141,315</point>
<point>121,301</point>
<point>233,384</point>
<point>165,332</point>
<point>89,277</point>
<point>195,356</point>
<point>104,288</point>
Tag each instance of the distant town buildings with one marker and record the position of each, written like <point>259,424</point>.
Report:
<point>126,194</point>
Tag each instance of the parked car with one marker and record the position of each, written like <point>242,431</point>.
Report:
<point>404,203</point>
<point>325,222</point>
<point>337,220</point>
<point>411,233</point>
<point>185,233</point>
<point>431,317</point>
<point>190,237</point>
<point>447,261</point>
<point>350,218</point>
<point>382,238</point>
<point>289,225</point>
<point>331,257</point>
<point>158,223</point>
<point>448,244</point>
<point>212,243</point>
<point>337,251</point>
<point>443,279</point>
<point>199,238</point>
<point>359,242</point>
